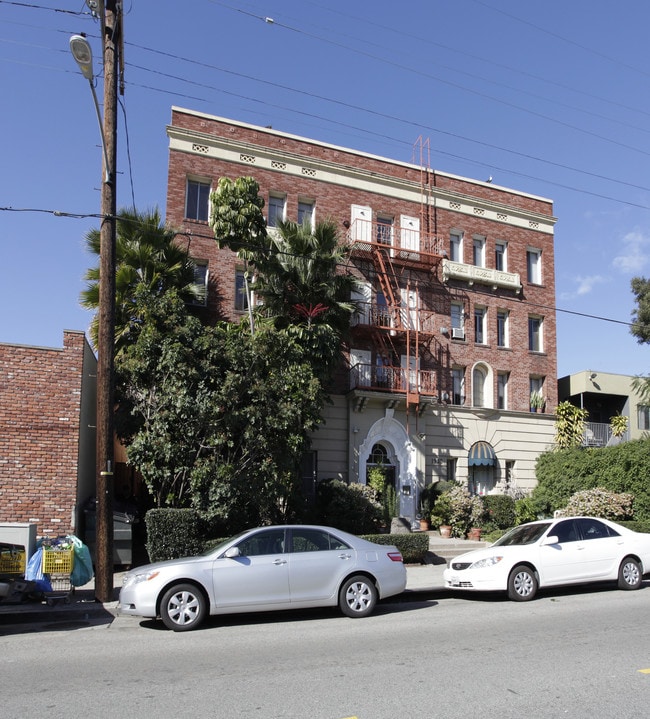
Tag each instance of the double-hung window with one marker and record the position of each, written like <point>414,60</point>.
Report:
<point>480,335</point>
<point>200,298</point>
<point>458,385</point>
<point>643,416</point>
<point>534,266</point>
<point>502,390</point>
<point>241,295</point>
<point>457,321</point>
<point>197,199</point>
<point>478,252</point>
<point>502,328</point>
<point>306,212</point>
<point>276,209</point>
<point>456,246</point>
<point>535,334</point>
<point>500,257</point>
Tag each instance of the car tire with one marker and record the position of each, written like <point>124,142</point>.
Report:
<point>358,596</point>
<point>183,607</point>
<point>522,584</point>
<point>630,574</point>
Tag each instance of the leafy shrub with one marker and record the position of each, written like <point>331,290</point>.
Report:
<point>173,533</point>
<point>622,468</point>
<point>599,502</point>
<point>412,546</point>
<point>467,511</point>
<point>499,511</point>
<point>525,511</point>
<point>351,507</point>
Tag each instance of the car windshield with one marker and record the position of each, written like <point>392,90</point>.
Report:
<point>524,534</point>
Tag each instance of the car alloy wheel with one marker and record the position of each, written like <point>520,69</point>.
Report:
<point>183,607</point>
<point>629,574</point>
<point>522,584</point>
<point>358,596</point>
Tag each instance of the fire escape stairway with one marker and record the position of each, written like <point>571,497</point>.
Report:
<point>401,316</point>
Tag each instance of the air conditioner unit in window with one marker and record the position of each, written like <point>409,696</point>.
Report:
<point>457,333</point>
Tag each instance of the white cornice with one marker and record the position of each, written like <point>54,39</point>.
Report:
<point>279,160</point>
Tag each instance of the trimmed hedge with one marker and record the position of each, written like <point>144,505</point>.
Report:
<point>412,546</point>
<point>173,533</point>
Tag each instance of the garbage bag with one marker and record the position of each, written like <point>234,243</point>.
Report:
<point>82,567</point>
<point>34,572</point>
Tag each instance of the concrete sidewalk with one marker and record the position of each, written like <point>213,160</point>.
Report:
<point>421,579</point>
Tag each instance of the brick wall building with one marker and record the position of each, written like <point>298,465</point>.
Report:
<point>47,433</point>
<point>455,328</point>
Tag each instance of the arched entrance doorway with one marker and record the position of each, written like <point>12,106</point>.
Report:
<point>387,439</point>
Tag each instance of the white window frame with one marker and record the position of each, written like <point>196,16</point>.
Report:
<point>456,246</point>
<point>503,316</point>
<point>539,334</point>
<point>306,208</point>
<point>275,199</point>
<point>201,276</point>
<point>534,266</point>
<point>480,328</point>
<point>384,230</point>
<point>201,210</point>
<point>502,389</point>
<point>242,298</point>
<point>501,252</point>
<point>478,251</point>
<point>458,386</point>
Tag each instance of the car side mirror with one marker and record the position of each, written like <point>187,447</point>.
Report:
<point>232,552</point>
<point>551,539</point>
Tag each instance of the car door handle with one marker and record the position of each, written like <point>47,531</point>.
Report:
<point>278,562</point>
<point>345,556</point>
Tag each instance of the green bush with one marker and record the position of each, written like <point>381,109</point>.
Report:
<point>412,546</point>
<point>499,511</point>
<point>622,468</point>
<point>350,507</point>
<point>174,533</point>
<point>525,511</point>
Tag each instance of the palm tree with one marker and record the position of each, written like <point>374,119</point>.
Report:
<point>148,258</point>
<point>301,282</point>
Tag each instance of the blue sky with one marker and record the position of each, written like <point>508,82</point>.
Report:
<point>548,98</point>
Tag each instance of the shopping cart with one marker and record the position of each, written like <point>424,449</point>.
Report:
<point>57,564</point>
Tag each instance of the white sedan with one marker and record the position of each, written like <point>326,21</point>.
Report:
<point>551,553</point>
<point>266,569</point>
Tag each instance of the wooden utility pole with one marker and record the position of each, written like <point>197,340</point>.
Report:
<point>111,37</point>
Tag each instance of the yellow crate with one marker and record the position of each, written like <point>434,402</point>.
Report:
<point>12,561</point>
<point>57,561</point>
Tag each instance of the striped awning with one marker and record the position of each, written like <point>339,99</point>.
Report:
<point>481,454</point>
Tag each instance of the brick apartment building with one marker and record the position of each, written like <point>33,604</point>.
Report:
<point>455,329</point>
<point>47,433</point>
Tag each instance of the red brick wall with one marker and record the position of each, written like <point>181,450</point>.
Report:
<point>334,200</point>
<point>40,399</point>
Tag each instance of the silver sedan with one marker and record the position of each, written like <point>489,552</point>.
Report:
<point>266,569</point>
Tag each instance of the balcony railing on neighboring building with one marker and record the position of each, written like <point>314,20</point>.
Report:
<point>481,275</point>
<point>599,434</point>
<point>372,314</point>
<point>385,378</point>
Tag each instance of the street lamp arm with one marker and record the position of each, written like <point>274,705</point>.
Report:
<point>108,171</point>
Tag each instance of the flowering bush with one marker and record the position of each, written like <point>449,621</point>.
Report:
<point>600,502</point>
<point>466,511</point>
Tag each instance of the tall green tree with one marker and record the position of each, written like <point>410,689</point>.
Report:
<point>213,417</point>
<point>297,269</point>
<point>147,256</point>
<point>641,329</point>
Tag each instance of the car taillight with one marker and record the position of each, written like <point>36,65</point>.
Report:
<point>395,557</point>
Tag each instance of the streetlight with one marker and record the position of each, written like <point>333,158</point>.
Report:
<point>82,53</point>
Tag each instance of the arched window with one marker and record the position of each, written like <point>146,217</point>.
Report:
<point>478,386</point>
